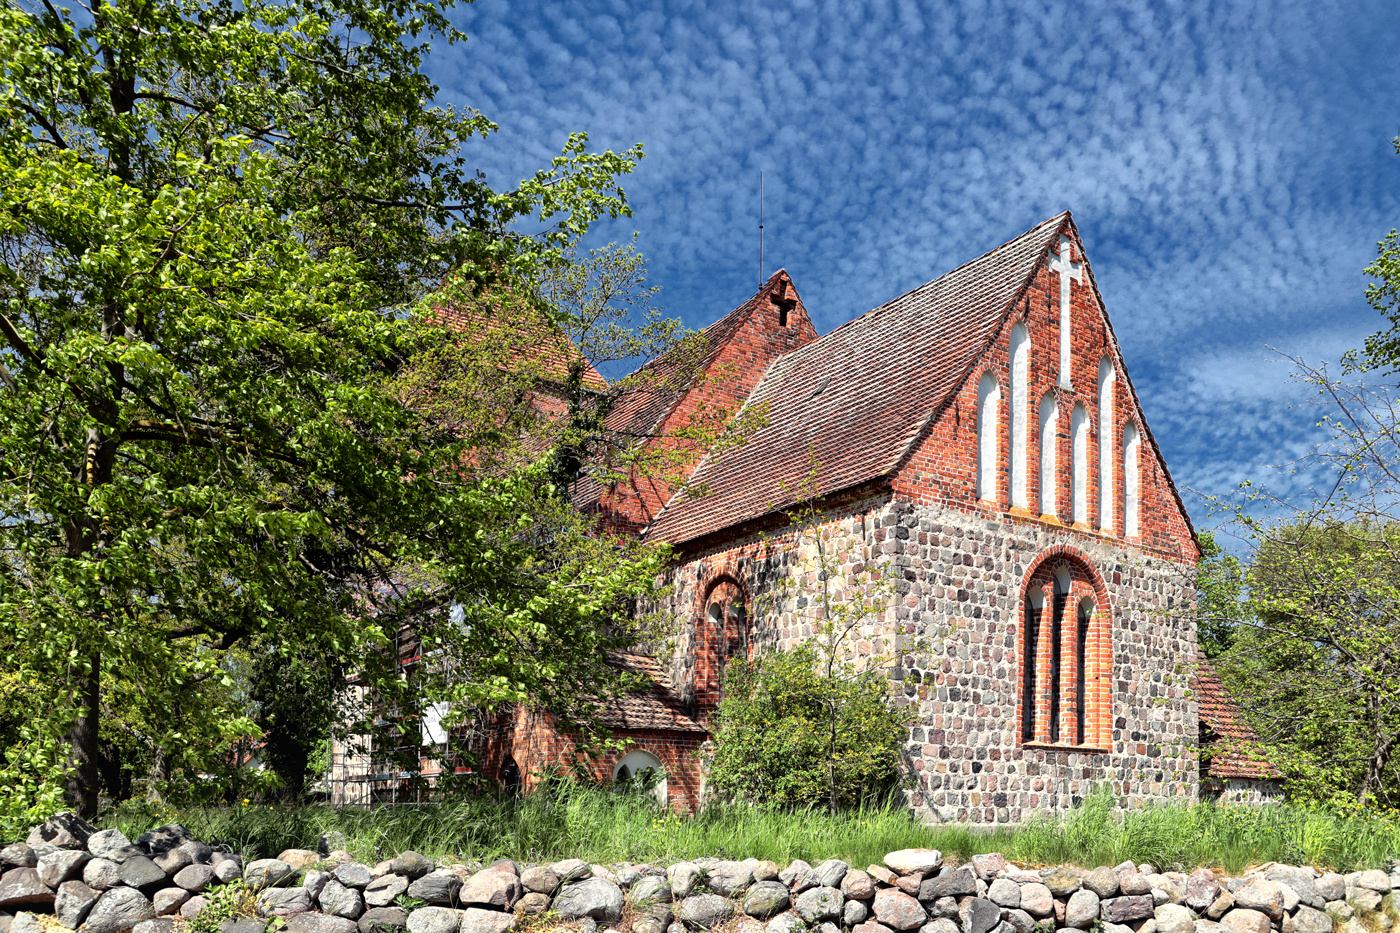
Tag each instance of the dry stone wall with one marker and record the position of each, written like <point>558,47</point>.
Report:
<point>69,874</point>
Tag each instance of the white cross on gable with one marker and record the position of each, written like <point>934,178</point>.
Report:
<point>1068,272</point>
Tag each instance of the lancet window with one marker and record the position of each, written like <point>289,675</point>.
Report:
<point>1131,445</point>
<point>1020,373</point>
<point>988,394</point>
<point>1107,379</point>
<point>1079,463</point>
<point>1049,427</point>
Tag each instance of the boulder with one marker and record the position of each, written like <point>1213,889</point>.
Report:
<point>434,919</point>
<point>18,855</point>
<point>340,901</point>
<point>532,904</point>
<point>1262,895</point>
<point>298,858</point>
<point>157,925</point>
<point>436,887</point>
<point>243,925</point>
<point>830,873</point>
<point>382,891</point>
<point>1332,886</point>
<point>1127,909</point>
<point>1081,909</point>
<point>816,905</point>
<point>265,873</point>
<point>101,874</point>
<point>541,879</point>
<point>729,878</point>
<point>596,898</point>
<point>169,900</point>
<point>227,871</point>
<point>1374,880</point>
<point>194,877</point>
<point>22,887</point>
<point>766,899</point>
<point>1061,881</point>
<point>783,923</point>
<point>319,923</point>
<point>1219,907</point>
<point>172,860</point>
<point>120,908</point>
<point>1307,920</point>
<point>353,874</point>
<point>140,872</point>
<point>1037,900</point>
<point>683,877</point>
<point>411,865</point>
<point>492,889</point>
<point>883,875</point>
<point>910,884</point>
<point>199,853</point>
<point>1166,891</point>
<point>854,912</point>
<point>649,889</point>
<point>57,867</point>
<point>1300,881</point>
<point>988,865</point>
<point>383,920</point>
<point>941,925</point>
<point>109,844</point>
<point>898,910</point>
<point>191,908</point>
<point>797,876</point>
<point>1242,920</point>
<point>945,908</point>
<point>25,922</point>
<point>859,885</point>
<point>704,911</point>
<point>162,839</point>
<point>914,861</point>
<point>1103,882</point>
<point>1019,920</point>
<point>1208,926</point>
<point>1004,893</point>
<point>283,902</point>
<point>958,883</point>
<point>1175,918</point>
<point>61,829</point>
<point>1201,889</point>
<point>1365,899</point>
<point>1132,883</point>
<point>477,920</point>
<point>72,903</point>
<point>657,918</point>
<point>765,870</point>
<point>572,869</point>
<point>978,915</point>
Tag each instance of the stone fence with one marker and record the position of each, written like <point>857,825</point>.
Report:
<point>69,874</point>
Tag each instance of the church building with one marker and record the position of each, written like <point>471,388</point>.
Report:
<point>977,464</point>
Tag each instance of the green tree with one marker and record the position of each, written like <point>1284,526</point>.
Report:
<point>1220,592</point>
<point>218,227</point>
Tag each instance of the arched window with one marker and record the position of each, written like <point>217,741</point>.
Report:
<point>1049,424</point>
<point>988,394</point>
<point>645,767</point>
<point>1066,658</point>
<point>510,776</point>
<point>1107,378</point>
<point>1030,648</point>
<point>1131,444</point>
<point>1079,463</point>
<point>1020,373</point>
<point>721,634</point>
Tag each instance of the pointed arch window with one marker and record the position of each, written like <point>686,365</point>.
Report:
<point>1107,380</point>
<point>1131,445</point>
<point>1049,426</point>
<point>1020,373</point>
<point>1079,463</point>
<point>988,394</point>
<point>1066,659</point>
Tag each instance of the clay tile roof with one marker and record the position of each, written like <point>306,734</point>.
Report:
<point>834,400</point>
<point>1234,758</point>
<point>654,707</point>
<point>547,345</point>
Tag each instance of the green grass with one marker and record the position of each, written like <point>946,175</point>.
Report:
<point>604,827</point>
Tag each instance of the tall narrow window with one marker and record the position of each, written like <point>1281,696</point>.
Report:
<point>1081,651</point>
<point>1107,378</point>
<point>1131,444</point>
<point>1035,605</point>
<point>1079,463</point>
<point>1020,372</point>
<point>1057,624</point>
<point>988,394</point>
<point>1049,424</point>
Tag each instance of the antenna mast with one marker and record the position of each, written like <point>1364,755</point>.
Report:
<point>760,229</point>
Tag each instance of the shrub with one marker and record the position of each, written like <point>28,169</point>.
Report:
<point>794,731</point>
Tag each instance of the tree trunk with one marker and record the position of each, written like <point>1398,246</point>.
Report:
<point>159,774</point>
<point>85,751</point>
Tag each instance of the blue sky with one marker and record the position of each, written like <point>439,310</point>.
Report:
<point>1230,167</point>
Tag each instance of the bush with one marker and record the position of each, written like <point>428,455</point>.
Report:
<point>794,731</point>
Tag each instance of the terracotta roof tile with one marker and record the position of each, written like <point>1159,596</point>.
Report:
<point>834,400</point>
<point>1237,756</point>
<point>654,707</point>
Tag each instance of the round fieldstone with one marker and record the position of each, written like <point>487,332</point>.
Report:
<point>477,920</point>
<point>298,858</point>
<point>572,869</point>
<point>266,873</point>
<point>913,861</point>
<point>683,877</point>
<point>1308,920</point>
<point>830,873</point>
<point>319,923</point>
<point>191,908</point>
<point>194,877</point>
<point>338,900</point>
<point>541,879</point>
<point>140,872</point>
<point>1004,893</point>
<point>61,829</point>
<point>1175,918</point>
<point>1222,905</point>
<point>705,911</point>
<point>728,878</point>
<point>816,905</point>
<point>1082,909</point>
<point>596,898</point>
<point>72,903</point>
<point>1037,900</point>
<point>1018,920</point>
<point>57,867</point>
<point>858,885</point>
<point>353,875</point>
<point>436,887</point>
<point>101,874</point>
<point>898,910</point>
<point>1262,895</point>
<point>172,860</point>
<point>108,842</point>
<point>1127,909</point>
<point>1103,882</point>
<point>227,871</point>
<point>491,888</point>
<point>796,870</point>
<point>1061,881</point>
<point>784,923</point>
<point>118,909</point>
<point>649,889</point>
<point>411,865</point>
<point>1332,886</point>
<point>382,891</point>
<point>168,900</point>
<point>1242,920</point>
<point>22,887</point>
<point>1132,883</point>
<point>940,925</point>
<point>855,912</point>
<point>283,902</point>
<point>18,855</point>
<point>532,904</point>
<point>978,915</point>
<point>434,920</point>
<point>766,899</point>
<point>199,853</point>
<point>1201,889</point>
<point>1374,880</point>
<point>383,920</point>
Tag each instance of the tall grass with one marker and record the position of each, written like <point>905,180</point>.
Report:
<point>603,827</point>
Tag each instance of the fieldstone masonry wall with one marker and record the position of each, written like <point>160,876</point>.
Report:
<point>69,875</point>
<point>951,588</point>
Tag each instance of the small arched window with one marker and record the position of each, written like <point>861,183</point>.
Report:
<point>1107,379</point>
<point>1079,463</point>
<point>1020,373</point>
<point>1049,426</point>
<point>1131,443</point>
<point>988,394</point>
<point>645,767</point>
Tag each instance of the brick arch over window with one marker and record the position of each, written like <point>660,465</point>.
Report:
<point>721,634</point>
<point>1065,645</point>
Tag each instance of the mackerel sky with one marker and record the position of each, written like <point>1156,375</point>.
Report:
<point>1229,165</point>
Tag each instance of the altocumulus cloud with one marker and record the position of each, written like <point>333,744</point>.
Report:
<point>1229,164</point>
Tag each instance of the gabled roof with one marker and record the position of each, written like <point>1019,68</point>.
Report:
<point>1237,756</point>
<point>652,706</point>
<point>535,338</point>
<point>856,400</point>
